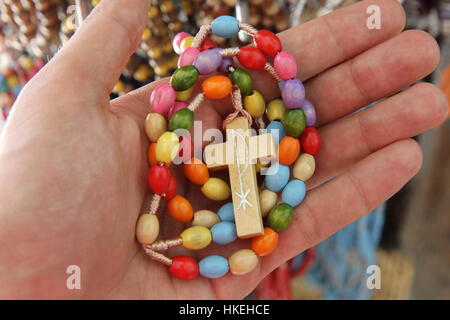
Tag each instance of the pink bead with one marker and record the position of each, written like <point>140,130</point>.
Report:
<point>285,65</point>
<point>187,57</point>
<point>162,98</point>
<point>177,40</point>
<point>177,106</point>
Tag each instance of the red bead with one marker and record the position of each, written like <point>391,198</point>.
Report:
<point>310,141</point>
<point>159,178</point>
<point>252,58</point>
<point>268,42</point>
<point>186,148</point>
<point>184,267</point>
<point>207,44</point>
<point>171,188</point>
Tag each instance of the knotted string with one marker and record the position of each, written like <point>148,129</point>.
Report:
<point>236,99</point>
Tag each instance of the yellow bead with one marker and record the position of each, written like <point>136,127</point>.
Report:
<point>186,43</point>
<point>167,147</point>
<point>147,35</point>
<point>118,87</point>
<point>243,261</point>
<point>267,200</point>
<point>255,104</point>
<point>26,63</point>
<point>155,126</point>
<point>276,110</point>
<point>196,238</point>
<point>216,189</point>
<point>304,167</point>
<point>205,218</point>
<point>12,81</point>
<point>147,229</point>
<point>184,95</point>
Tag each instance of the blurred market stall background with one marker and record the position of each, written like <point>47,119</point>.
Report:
<point>408,237</point>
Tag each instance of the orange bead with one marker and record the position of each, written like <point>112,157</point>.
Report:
<point>151,155</point>
<point>217,87</point>
<point>288,150</point>
<point>265,244</point>
<point>180,209</point>
<point>196,171</point>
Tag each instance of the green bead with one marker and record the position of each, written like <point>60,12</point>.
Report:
<point>184,78</point>
<point>242,79</point>
<point>182,119</point>
<point>294,122</point>
<point>280,217</point>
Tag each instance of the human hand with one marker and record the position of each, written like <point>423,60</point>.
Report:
<point>73,163</point>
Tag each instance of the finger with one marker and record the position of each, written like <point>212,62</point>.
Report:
<point>374,74</point>
<point>97,53</point>
<point>347,198</point>
<point>404,115</point>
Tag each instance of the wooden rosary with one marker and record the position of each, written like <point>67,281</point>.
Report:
<point>290,129</point>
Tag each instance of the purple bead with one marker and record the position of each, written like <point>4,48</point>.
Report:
<point>310,113</point>
<point>226,62</point>
<point>208,61</point>
<point>293,93</point>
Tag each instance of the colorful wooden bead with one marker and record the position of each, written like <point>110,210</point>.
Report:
<point>159,178</point>
<point>182,119</point>
<point>294,122</point>
<point>294,192</point>
<point>183,78</point>
<point>267,42</point>
<point>304,167</point>
<point>310,140</point>
<point>207,44</point>
<point>227,62</point>
<point>186,43</point>
<point>184,267</point>
<point>184,95</point>
<point>151,154</point>
<point>205,218</point>
<point>226,212</point>
<point>155,125</point>
<point>208,61</point>
<point>251,58</point>
<point>310,113</point>
<point>255,104</point>
<point>188,56</point>
<point>225,26</point>
<point>285,65</point>
<point>196,171</point>
<point>177,106</point>
<point>213,267</point>
<point>277,176</point>
<point>217,87</point>
<point>171,191</point>
<point>147,229</point>
<point>180,209</point>
<point>280,217</point>
<point>242,79</point>
<point>186,149</point>
<point>275,110</point>
<point>162,98</point>
<point>167,147</point>
<point>224,232</point>
<point>265,244</point>
<point>216,189</point>
<point>177,41</point>
<point>196,237</point>
<point>276,129</point>
<point>243,261</point>
<point>288,150</point>
<point>267,200</point>
<point>293,93</point>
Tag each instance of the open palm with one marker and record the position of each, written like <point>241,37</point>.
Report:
<point>73,164</point>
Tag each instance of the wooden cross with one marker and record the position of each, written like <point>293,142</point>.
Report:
<point>240,154</point>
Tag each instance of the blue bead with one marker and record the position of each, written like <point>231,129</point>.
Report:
<point>224,232</point>
<point>277,176</point>
<point>213,267</point>
<point>276,128</point>
<point>226,212</point>
<point>225,26</point>
<point>294,193</point>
